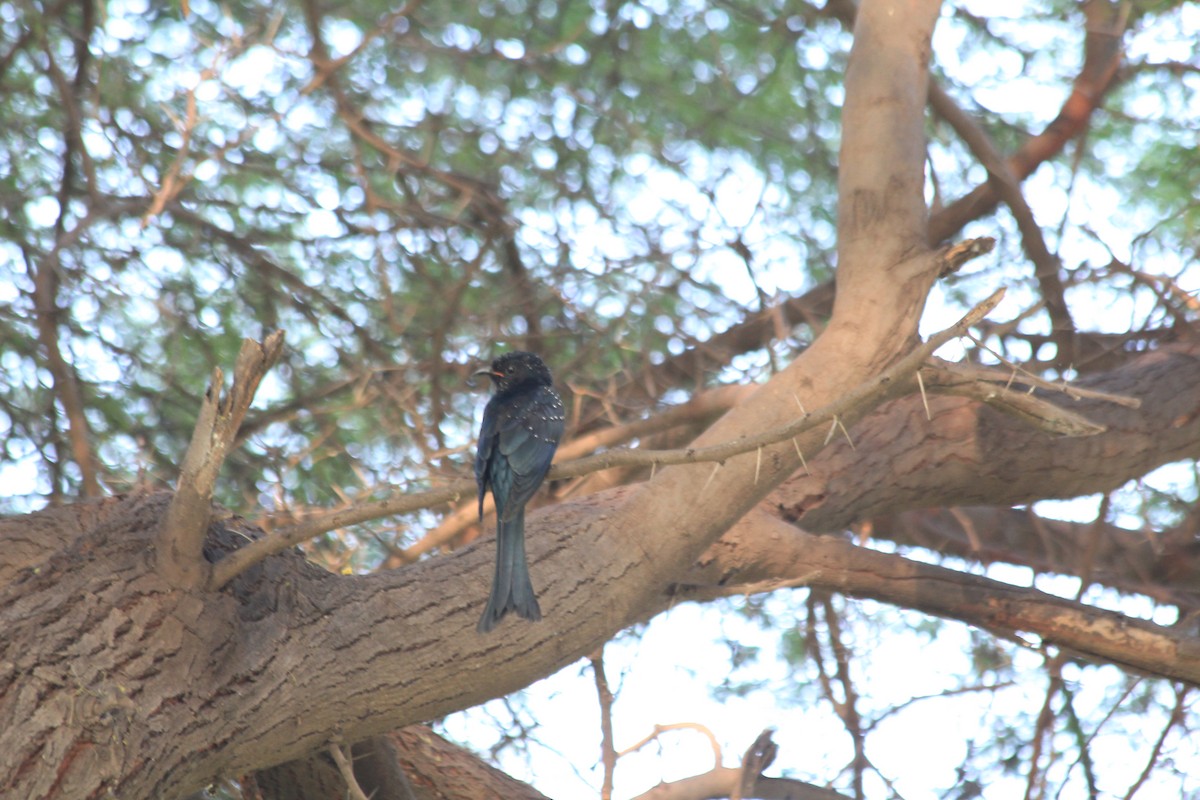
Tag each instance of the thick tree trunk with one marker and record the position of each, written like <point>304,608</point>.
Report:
<point>112,681</point>
<point>104,667</point>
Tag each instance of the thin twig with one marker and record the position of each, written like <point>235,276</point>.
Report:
<point>1030,409</point>
<point>659,730</point>
<point>353,790</point>
<point>849,706</point>
<point>67,386</point>
<point>608,752</point>
<point>1074,392</point>
<point>1177,715</point>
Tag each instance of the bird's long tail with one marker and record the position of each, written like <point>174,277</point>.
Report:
<point>511,587</point>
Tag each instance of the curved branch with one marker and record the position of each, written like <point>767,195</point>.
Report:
<point>763,553</point>
<point>721,781</point>
<point>1164,565</point>
<point>66,381</point>
<point>1102,56</point>
<point>1008,188</point>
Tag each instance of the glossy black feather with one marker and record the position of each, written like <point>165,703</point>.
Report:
<point>522,424</point>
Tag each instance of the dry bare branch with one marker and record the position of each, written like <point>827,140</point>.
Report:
<point>1031,409</point>
<point>773,553</point>
<point>744,782</point>
<point>181,537</point>
<point>608,752</point>
<point>353,790</point>
<point>659,730</point>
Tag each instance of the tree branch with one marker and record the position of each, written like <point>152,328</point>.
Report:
<point>1008,188</point>
<point>659,730</point>
<point>855,401</point>
<point>66,381</point>
<point>993,388</point>
<point>587,558</point>
<point>573,545</point>
<point>763,553</point>
<point>745,782</point>
<point>965,454</point>
<point>721,781</point>
<point>1161,564</point>
<point>353,790</point>
<point>180,540</point>
<point>409,763</point>
<point>604,696</point>
<point>881,203</point>
<point>1102,56</point>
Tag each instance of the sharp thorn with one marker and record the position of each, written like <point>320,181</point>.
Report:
<point>803,463</point>
<point>924,399</point>
<point>832,429</point>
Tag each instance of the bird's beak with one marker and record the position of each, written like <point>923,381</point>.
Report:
<point>486,371</point>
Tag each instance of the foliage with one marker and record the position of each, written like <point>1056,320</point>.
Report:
<point>406,191</point>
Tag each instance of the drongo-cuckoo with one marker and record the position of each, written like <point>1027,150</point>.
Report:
<point>522,424</point>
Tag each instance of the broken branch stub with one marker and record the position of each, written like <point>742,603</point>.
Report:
<point>180,541</point>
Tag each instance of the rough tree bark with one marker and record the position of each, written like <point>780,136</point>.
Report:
<point>413,763</point>
<point>119,678</point>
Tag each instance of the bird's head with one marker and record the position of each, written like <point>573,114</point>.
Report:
<point>516,368</point>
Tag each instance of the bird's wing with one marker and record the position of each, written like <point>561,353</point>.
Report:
<point>527,439</point>
<point>483,455</point>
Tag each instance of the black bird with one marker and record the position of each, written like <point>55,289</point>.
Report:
<point>522,424</point>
